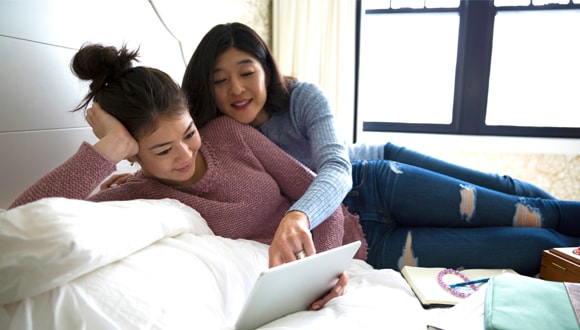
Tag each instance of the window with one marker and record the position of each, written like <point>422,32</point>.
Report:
<point>503,67</point>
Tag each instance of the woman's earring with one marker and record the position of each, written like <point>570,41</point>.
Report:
<point>132,163</point>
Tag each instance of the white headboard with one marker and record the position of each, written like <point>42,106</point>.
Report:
<point>37,88</point>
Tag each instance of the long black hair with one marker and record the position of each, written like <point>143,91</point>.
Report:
<point>198,82</point>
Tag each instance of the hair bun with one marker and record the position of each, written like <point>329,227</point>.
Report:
<point>102,64</point>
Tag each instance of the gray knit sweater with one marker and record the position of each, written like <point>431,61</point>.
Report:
<point>307,132</point>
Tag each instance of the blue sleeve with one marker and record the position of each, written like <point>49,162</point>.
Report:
<point>330,159</point>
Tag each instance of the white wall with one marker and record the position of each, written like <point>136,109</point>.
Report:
<point>37,89</point>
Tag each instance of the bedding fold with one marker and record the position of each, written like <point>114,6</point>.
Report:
<point>155,264</point>
<point>52,241</point>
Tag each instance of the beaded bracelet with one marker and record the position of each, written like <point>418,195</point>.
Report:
<point>448,288</point>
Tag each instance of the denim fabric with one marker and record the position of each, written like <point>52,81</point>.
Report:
<point>413,216</point>
<point>501,183</point>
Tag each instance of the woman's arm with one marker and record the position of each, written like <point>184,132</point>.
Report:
<point>293,179</point>
<point>76,178</point>
<point>312,115</point>
<point>80,175</point>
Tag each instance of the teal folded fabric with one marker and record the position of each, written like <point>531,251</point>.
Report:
<point>520,302</point>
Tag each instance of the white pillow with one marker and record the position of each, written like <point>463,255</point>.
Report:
<point>52,241</point>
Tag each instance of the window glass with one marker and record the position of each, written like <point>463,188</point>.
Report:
<point>375,4</point>
<point>396,4</point>
<point>534,77</point>
<point>442,3</point>
<point>407,67</point>
<point>549,2</point>
<point>504,3</point>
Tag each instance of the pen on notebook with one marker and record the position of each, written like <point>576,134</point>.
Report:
<point>481,280</point>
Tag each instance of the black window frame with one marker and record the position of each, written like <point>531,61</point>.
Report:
<point>471,75</point>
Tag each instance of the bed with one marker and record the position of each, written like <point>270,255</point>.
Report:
<point>155,264</point>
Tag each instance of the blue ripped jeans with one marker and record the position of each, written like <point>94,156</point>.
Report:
<point>501,183</point>
<point>414,216</point>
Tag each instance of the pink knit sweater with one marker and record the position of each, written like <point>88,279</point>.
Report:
<point>249,185</point>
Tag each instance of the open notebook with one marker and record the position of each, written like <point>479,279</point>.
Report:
<point>423,282</point>
<point>292,287</point>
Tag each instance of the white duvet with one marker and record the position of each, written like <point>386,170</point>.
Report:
<point>155,264</point>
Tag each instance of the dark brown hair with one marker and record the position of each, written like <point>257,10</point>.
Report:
<point>136,96</point>
<point>198,82</point>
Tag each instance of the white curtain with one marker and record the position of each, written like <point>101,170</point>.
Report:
<point>314,41</point>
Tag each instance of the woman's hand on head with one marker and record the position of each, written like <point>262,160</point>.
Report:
<point>115,142</point>
<point>337,291</point>
<point>292,236</point>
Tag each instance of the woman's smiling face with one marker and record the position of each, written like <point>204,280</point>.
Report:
<point>240,87</point>
<point>169,153</point>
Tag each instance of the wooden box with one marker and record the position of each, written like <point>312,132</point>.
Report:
<point>561,264</point>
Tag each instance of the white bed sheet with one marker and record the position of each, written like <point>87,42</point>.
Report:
<point>155,264</point>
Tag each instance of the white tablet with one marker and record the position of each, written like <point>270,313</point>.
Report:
<point>292,287</point>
